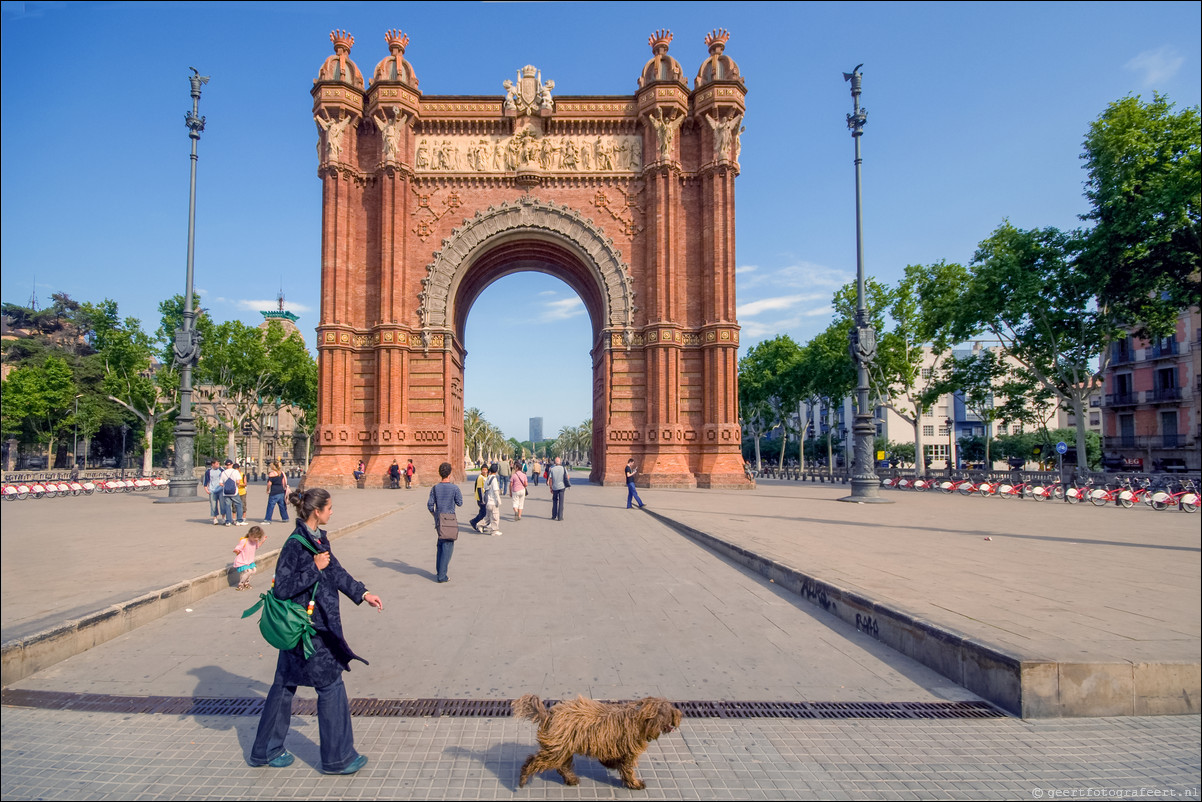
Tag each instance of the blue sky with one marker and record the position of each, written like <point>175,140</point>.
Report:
<point>976,113</point>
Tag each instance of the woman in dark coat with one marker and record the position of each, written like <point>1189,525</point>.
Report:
<point>296,572</point>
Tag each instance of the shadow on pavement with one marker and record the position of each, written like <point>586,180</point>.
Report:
<point>403,567</point>
<point>210,682</point>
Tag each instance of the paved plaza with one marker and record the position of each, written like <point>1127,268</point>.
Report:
<point>616,604</point>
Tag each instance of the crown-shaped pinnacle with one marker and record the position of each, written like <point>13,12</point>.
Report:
<point>717,38</point>
<point>396,39</point>
<point>659,41</point>
<point>342,39</point>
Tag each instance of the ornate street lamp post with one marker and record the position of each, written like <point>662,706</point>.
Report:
<point>865,486</point>
<point>187,339</point>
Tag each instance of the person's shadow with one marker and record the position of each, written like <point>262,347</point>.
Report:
<point>403,568</point>
<point>214,682</point>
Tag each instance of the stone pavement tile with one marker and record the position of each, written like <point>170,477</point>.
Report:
<point>87,567</point>
<point>1051,569</point>
<point>608,606</point>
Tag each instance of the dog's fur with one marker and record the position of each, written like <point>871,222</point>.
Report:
<point>614,734</point>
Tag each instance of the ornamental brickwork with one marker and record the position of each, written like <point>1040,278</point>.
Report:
<point>627,199</point>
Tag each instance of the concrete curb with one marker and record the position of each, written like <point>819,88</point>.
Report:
<point>28,655</point>
<point>1030,687</point>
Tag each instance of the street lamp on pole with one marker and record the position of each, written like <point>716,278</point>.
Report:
<point>865,486</point>
<point>187,339</point>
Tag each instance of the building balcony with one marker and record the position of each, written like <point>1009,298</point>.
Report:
<point>1164,395</point>
<point>1122,399</point>
<point>1164,351</point>
<point>1154,442</point>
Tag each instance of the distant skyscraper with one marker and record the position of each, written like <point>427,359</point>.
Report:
<point>536,429</point>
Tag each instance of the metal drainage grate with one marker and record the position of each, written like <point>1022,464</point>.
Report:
<point>486,708</point>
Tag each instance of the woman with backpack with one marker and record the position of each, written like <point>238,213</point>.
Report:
<point>304,563</point>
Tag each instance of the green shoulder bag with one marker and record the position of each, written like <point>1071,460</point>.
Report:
<point>285,623</point>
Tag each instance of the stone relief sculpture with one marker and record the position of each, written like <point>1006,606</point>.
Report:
<point>665,132</point>
<point>329,143</point>
<point>391,131</point>
<point>739,143</point>
<point>524,150</point>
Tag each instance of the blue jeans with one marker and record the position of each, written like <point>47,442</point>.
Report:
<point>557,505</point>
<point>632,495</point>
<point>273,502</point>
<point>233,503</point>
<point>333,725</point>
<point>215,503</point>
<point>442,559</point>
<point>480,517</point>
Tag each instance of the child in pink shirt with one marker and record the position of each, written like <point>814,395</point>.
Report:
<point>245,559</point>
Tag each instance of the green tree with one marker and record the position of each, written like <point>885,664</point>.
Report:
<point>37,401</point>
<point>910,352</point>
<point>826,375</point>
<point>1144,186</point>
<point>133,377</point>
<point>765,375</point>
<point>244,370</point>
<point>1029,291</point>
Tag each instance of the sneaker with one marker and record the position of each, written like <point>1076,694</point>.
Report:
<point>497,533</point>
<point>351,767</point>
<point>227,523</point>
<point>216,522</point>
<point>266,523</point>
<point>281,760</point>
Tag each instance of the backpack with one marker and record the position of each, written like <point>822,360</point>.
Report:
<point>285,623</point>
<point>229,486</point>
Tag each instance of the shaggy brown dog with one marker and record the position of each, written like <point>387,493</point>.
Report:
<point>614,734</point>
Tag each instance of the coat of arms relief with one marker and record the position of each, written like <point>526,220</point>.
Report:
<point>529,96</point>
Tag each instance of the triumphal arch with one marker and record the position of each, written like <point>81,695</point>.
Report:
<point>629,199</point>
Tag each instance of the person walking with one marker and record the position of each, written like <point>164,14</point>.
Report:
<point>558,481</point>
<point>410,472</point>
<point>536,468</point>
<point>241,495</point>
<point>492,503</point>
<point>631,493</point>
<point>297,571</point>
<point>444,498</point>
<point>212,486</point>
<point>277,491</point>
<point>481,480</point>
<point>503,475</point>
<point>517,491</point>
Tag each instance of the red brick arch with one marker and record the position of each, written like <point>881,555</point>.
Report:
<point>428,200</point>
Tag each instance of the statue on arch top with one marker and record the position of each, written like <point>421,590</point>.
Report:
<point>529,96</point>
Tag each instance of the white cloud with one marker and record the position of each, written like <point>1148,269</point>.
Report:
<point>562,309</point>
<point>822,310</point>
<point>259,306</point>
<point>744,269</point>
<point>547,292</point>
<point>1157,65</point>
<point>772,304</point>
<point>802,275</point>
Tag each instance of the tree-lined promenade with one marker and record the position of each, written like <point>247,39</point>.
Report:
<point>1055,301</point>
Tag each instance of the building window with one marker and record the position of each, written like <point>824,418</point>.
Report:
<point>943,430</point>
<point>936,451</point>
<point>928,431</point>
<point>929,412</point>
<point>926,373</point>
<point>1095,420</point>
<point>1016,429</point>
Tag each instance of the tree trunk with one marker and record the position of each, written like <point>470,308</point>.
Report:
<point>920,451</point>
<point>1082,455</point>
<point>758,463</point>
<point>231,446</point>
<point>148,446</point>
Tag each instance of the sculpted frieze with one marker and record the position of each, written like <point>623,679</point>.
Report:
<point>483,154</point>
